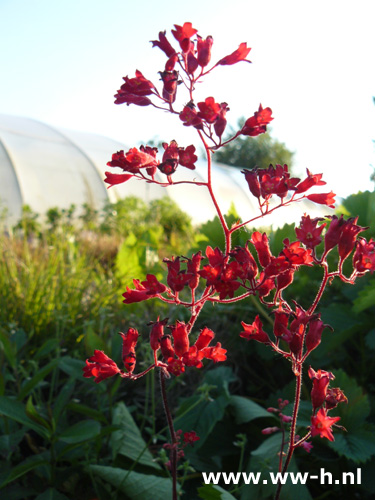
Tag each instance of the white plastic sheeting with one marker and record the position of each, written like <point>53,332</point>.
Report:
<point>43,167</point>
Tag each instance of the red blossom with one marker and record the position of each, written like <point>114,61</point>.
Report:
<point>129,341</point>
<point>314,334</point>
<point>193,266</point>
<point>252,180</point>
<point>310,181</point>
<point>183,34</point>
<point>164,45</point>
<point>180,338</point>
<point>166,347</point>
<point>334,397</point>
<point>209,110</point>
<point>323,198</point>
<point>364,255</point>
<point>255,331</point>
<point>192,357</point>
<point>100,366</point>
<point>260,241</point>
<point>157,332</point>
<point>175,366</point>
<point>144,290</point>
<point>139,85</point>
<point>204,50</point>
<point>170,82</point>
<point>186,157</point>
<point>190,437</point>
<point>215,353</point>
<point>204,338</point>
<point>190,117</point>
<point>113,179</point>
<point>348,237</point>
<point>321,425</point>
<point>238,55</point>
<point>321,380</point>
<point>309,233</point>
<point>134,159</point>
<point>221,120</point>
<point>257,124</point>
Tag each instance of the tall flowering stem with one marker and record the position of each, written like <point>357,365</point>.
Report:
<point>235,273</point>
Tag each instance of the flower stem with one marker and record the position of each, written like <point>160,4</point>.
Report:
<point>293,428</point>
<point>173,456</point>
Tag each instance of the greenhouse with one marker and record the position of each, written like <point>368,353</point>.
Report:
<point>44,166</point>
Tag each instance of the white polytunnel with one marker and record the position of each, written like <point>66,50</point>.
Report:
<point>45,166</point>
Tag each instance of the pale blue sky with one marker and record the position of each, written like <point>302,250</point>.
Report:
<point>313,64</point>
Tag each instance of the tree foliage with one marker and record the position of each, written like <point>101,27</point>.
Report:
<point>258,151</point>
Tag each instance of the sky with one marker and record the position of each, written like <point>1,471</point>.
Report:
<point>312,63</point>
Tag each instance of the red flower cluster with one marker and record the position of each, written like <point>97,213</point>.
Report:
<point>144,290</point>
<point>257,124</point>
<point>276,180</point>
<point>145,158</point>
<point>181,354</point>
<point>321,425</point>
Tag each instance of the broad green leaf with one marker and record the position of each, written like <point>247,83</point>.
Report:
<point>370,339</point>
<point>358,447</point>
<point>82,431</point>
<point>16,411</point>
<point>363,205</point>
<point>38,377</point>
<point>51,494</point>
<point>269,448</point>
<point>214,492</point>
<point>246,410</point>
<point>26,466</point>
<point>128,440</point>
<point>73,368</point>
<point>136,486</point>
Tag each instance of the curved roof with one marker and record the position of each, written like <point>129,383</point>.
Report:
<point>44,166</point>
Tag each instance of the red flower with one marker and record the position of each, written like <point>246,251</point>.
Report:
<point>209,110</point>
<point>166,347</point>
<point>164,45</point>
<point>100,366</point>
<point>139,85</point>
<point>238,55</point>
<point>175,366</point>
<point>221,120</point>
<point>186,157</point>
<point>309,233</point>
<point>255,332</point>
<point>204,50</point>
<point>314,335</point>
<point>310,181</point>
<point>129,341</point>
<point>190,117</point>
<point>144,290</point>
<point>280,324</point>
<point>323,198</point>
<point>348,236</point>
<point>334,397</point>
<point>295,254</point>
<point>321,425</point>
<point>364,256</point>
<point>215,353</point>
<point>124,97</point>
<point>193,266</point>
<point>183,34</point>
<point>193,357</point>
<point>190,437</point>
<point>251,177</point>
<point>134,159</point>
<point>260,241</point>
<point>180,338</point>
<point>321,380</point>
<point>176,278</point>
<point>157,332</point>
<point>256,124</point>
<point>204,338</point>
<point>113,179</point>
<point>170,82</point>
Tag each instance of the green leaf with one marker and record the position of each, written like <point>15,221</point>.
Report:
<point>358,447</point>
<point>38,377</point>
<point>93,341</point>
<point>246,410</point>
<point>363,205</point>
<point>370,339</point>
<point>16,411</point>
<point>73,368</point>
<point>82,431</point>
<point>51,494</point>
<point>7,347</point>
<point>365,299</point>
<point>24,467</point>
<point>86,410</point>
<point>63,398</point>
<point>214,492</point>
<point>32,413</point>
<point>269,448</point>
<point>136,486</point>
<point>48,346</point>
<point>128,440</point>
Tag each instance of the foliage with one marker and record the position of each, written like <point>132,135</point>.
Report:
<point>249,152</point>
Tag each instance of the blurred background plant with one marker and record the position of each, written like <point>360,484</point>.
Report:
<point>64,437</point>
